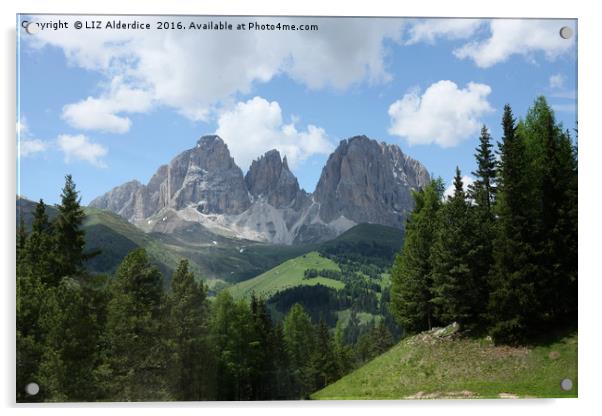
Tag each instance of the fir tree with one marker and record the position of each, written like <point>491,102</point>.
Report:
<point>324,368</point>
<point>73,322</point>
<point>192,367</point>
<point>554,177</point>
<point>300,344</point>
<point>235,345</point>
<point>39,255</point>
<point>411,288</point>
<point>263,365</point>
<point>137,355</point>
<point>483,190</point>
<point>459,289</point>
<point>513,300</point>
<point>343,352</point>
<point>69,237</point>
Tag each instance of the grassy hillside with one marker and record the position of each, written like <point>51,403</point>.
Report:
<point>286,275</point>
<point>219,261</point>
<point>427,367</point>
<point>115,237</point>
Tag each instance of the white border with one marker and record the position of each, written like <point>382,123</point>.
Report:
<point>590,339</point>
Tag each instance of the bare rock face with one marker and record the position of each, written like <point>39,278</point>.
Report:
<point>368,181</point>
<point>363,181</point>
<point>121,200</point>
<point>208,177</point>
<point>270,178</point>
<point>205,177</point>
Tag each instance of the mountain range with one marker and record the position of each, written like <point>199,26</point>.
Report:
<point>203,193</point>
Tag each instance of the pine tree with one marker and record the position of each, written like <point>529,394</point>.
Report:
<point>263,364</point>
<point>136,333</point>
<point>483,193</point>
<point>323,362</point>
<point>514,299</point>
<point>235,345</point>
<point>459,289</point>
<point>283,383</point>
<point>300,343</point>
<point>72,319</point>
<point>554,177</point>
<point>192,367</point>
<point>69,237</point>
<point>343,352</point>
<point>411,288</point>
<point>39,256</point>
<point>483,190</point>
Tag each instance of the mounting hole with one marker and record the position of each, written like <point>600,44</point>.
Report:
<point>566,32</point>
<point>566,384</point>
<point>32,389</point>
<point>32,28</point>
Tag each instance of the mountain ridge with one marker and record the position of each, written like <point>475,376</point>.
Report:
<point>363,181</point>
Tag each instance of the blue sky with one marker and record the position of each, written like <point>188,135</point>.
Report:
<point>111,106</point>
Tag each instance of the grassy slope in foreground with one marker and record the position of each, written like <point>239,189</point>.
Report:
<point>428,367</point>
<point>288,274</point>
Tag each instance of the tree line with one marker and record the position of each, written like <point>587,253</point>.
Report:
<point>500,257</point>
<point>128,337</point>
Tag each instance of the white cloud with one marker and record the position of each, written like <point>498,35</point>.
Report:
<point>253,127</point>
<point>430,29</point>
<point>102,113</point>
<point>444,114</point>
<point>195,72</point>
<point>28,147</point>
<point>518,37</point>
<point>557,81</point>
<point>79,147</point>
<point>466,182</point>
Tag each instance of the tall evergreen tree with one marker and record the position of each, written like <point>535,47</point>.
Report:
<point>69,236</point>
<point>411,288</point>
<point>283,382</point>
<point>553,166</point>
<point>484,188</point>
<point>136,333</point>
<point>459,289</point>
<point>73,322</point>
<point>265,348</point>
<point>514,299</point>
<point>300,343</point>
<point>235,345</point>
<point>39,255</point>
<point>323,361</point>
<point>191,372</point>
<point>343,352</point>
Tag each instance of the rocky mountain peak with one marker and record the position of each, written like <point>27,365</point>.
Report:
<point>368,181</point>
<point>270,178</point>
<point>364,181</point>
